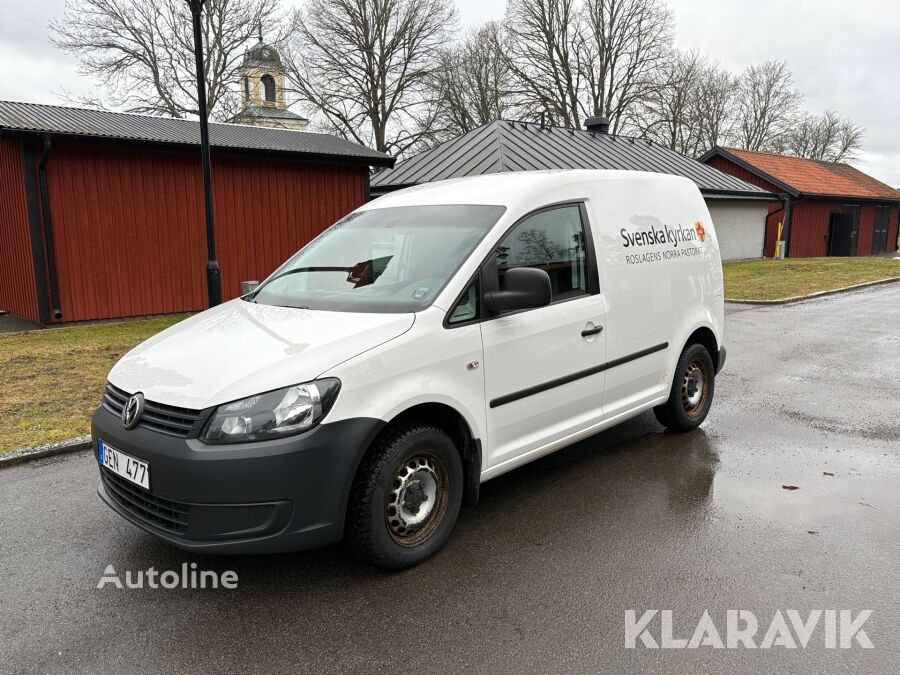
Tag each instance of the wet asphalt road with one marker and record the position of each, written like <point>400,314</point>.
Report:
<point>539,575</point>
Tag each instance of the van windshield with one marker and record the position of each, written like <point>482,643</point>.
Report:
<point>382,260</point>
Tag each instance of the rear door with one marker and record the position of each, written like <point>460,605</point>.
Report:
<point>543,367</point>
<point>840,234</point>
<point>880,229</point>
<point>855,211</point>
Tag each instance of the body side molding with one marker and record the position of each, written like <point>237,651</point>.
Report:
<point>566,379</point>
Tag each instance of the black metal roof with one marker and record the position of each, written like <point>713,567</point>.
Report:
<point>263,112</point>
<point>519,146</point>
<point>84,122</point>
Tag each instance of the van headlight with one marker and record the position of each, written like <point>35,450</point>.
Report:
<point>272,415</point>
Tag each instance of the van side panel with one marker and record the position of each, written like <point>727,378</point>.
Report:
<point>661,276</point>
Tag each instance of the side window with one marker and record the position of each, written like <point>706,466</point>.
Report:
<point>467,307</point>
<point>553,241</point>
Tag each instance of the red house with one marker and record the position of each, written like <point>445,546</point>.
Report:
<point>101,213</point>
<point>826,208</point>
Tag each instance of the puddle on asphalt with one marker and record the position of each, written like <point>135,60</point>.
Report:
<point>635,470</point>
<point>859,484</point>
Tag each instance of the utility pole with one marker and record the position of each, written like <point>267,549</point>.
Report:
<point>213,277</point>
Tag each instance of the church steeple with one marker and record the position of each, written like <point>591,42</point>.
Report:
<point>262,89</point>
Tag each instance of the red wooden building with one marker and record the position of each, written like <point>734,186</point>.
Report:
<point>826,208</point>
<point>101,213</point>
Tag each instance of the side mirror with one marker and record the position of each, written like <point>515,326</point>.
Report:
<point>523,288</point>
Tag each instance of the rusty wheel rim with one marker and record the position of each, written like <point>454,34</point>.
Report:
<point>417,499</point>
<point>694,388</point>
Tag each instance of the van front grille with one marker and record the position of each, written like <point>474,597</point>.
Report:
<point>163,513</point>
<point>167,419</point>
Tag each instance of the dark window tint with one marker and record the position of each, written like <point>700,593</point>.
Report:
<point>553,241</point>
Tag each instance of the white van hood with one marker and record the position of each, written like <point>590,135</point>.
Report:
<point>240,349</point>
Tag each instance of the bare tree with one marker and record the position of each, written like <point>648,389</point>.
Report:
<point>625,43</point>
<point>670,114</point>
<point>715,106</point>
<point>768,104</point>
<point>544,53</point>
<point>693,108</point>
<point>367,66</point>
<point>474,82</point>
<point>811,135</point>
<point>538,247</point>
<point>142,51</point>
<point>849,142</point>
<point>827,137</point>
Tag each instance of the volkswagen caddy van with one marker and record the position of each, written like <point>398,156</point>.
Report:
<point>431,340</point>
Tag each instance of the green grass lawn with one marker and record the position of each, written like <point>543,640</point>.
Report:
<point>53,379</point>
<point>777,279</point>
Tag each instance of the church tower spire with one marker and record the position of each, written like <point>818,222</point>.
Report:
<point>262,90</point>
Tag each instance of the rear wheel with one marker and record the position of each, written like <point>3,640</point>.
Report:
<point>692,391</point>
<point>406,497</point>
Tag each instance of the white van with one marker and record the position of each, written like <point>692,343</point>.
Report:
<point>431,340</point>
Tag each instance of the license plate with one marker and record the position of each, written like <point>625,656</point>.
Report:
<point>123,465</point>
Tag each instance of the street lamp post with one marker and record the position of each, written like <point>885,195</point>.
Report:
<point>213,278</point>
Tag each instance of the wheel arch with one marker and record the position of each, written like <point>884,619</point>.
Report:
<point>706,337</point>
<point>453,422</point>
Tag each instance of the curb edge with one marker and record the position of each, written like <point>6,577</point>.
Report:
<point>813,296</point>
<point>46,450</point>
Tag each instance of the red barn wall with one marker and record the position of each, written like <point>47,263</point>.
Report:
<point>266,211</point>
<point>810,218</point>
<point>809,227</point>
<point>129,225</point>
<point>18,293</point>
<point>775,217</point>
<point>866,228</point>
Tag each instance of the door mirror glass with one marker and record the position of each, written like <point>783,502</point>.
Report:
<point>523,288</point>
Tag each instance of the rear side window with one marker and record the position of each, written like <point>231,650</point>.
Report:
<point>551,240</point>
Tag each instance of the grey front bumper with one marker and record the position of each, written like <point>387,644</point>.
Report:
<point>270,496</point>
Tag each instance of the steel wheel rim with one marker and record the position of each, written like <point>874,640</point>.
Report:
<point>417,499</point>
<point>694,388</point>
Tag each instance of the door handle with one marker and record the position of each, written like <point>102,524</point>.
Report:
<point>588,332</point>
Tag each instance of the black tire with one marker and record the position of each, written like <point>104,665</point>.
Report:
<point>383,494</point>
<point>689,403</point>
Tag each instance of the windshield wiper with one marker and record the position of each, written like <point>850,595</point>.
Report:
<point>297,270</point>
<point>361,274</point>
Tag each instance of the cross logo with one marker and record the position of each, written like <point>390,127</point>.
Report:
<point>701,233</point>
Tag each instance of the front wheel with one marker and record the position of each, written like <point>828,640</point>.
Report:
<point>406,497</point>
<point>692,391</point>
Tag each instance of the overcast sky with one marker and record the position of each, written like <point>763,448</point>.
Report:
<point>844,55</point>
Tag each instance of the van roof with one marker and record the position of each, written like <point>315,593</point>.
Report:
<point>513,188</point>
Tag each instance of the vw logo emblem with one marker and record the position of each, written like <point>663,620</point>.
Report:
<point>131,413</point>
